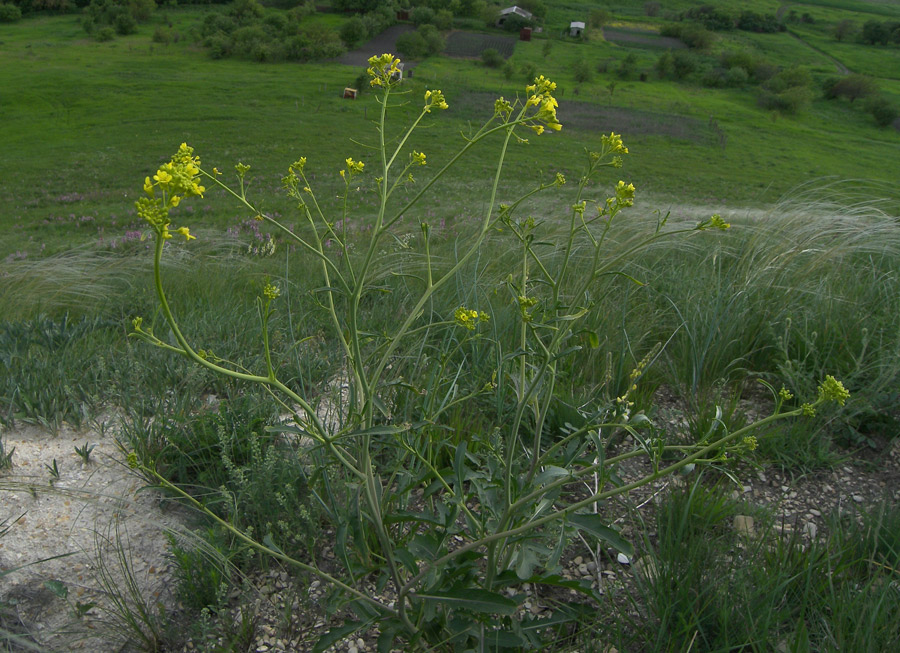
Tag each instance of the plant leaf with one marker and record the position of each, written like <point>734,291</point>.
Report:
<point>473,599</point>
<point>596,526</point>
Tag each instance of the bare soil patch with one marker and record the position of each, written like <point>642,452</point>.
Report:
<point>470,45</point>
<point>642,38</point>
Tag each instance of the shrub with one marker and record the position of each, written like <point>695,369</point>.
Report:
<point>491,58</point>
<point>104,34</point>
<point>353,31</point>
<point>422,16</point>
<point>582,71</point>
<point>9,13</point>
<point>751,21</point>
<point>882,110</point>
<point>684,64</point>
<point>124,24</point>
<point>515,23</point>
<point>852,87</point>
<point>652,8</point>
<point>412,46</point>
<point>443,19</point>
<point>710,17</point>
<point>696,37</point>
<point>789,101</point>
<point>165,35</point>
<point>433,39</point>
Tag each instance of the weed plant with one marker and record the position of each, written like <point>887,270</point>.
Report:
<point>446,525</point>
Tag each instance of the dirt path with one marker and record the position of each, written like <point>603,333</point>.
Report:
<point>842,69</point>
<point>384,42</point>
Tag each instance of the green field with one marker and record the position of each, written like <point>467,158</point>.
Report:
<point>84,121</point>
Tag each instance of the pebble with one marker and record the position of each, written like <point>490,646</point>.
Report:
<point>857,498</point>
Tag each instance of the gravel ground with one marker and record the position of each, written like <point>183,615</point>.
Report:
<point>80,511</point>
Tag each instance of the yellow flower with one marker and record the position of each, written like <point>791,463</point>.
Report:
<point>417,158</point>
<point>148,186</point>
<point>383,69</point>
<point>271,291</point>
<point>435,99</point>
<point>162,177</point>
<point>624,194</point>
<point>184,231</point>
<point>613,144</point>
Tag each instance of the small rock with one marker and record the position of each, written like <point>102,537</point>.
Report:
<point>592,566</point>
<point>810,529</point>
<point>743,525</point>
<point>645,568</point>
<point>578,560</point>
<point>815,512</point>
<point>857,498</point>
<point>623,559</point>
<point>583,570</point>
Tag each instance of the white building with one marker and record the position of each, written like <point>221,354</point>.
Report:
<point>509,11</point>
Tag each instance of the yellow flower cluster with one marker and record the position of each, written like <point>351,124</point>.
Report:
<point>417,158</point>
<point>353,167</point>
<point>271,291</point>
<point>175,180</point>
<point>435,100</point>
<point>833,390</point>
<point>612,144</point>
<point>382,69</point>
<point>540,95</point>
<point>468,318</point>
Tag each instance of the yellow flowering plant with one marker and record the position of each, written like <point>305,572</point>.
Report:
<point>453,527</point>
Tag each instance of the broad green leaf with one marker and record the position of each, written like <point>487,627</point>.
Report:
<point>474,600</point>
<point>58,587</point>
<point>337,634</point>
<point>596,526</point>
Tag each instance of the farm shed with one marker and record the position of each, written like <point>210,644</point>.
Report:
<point>514,10</point>
<point>576,28</point>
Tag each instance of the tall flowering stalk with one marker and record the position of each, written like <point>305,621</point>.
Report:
<point>500,514</point>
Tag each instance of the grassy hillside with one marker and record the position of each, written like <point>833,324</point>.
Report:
<point>85,120</point>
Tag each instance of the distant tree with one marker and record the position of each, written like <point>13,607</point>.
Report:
<point>710,17</point>
<point>422,16</point>
<point>751,21</point>
<point>852,87</point>
<point>696,36</point>
<point>538,8</point>
<point>443,19</point>
<point>652,8</point>
<point>353,31</point>
<point>876,33</point>
<point>9,13</point>
<point>844,29</point>
<point>515,23</point>
<point>599,18</point>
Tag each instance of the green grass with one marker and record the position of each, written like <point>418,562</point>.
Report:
<point>95,118</point>
<point>715,590</point>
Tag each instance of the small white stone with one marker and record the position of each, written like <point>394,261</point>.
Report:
<point>623,559</point>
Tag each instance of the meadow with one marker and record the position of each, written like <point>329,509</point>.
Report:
<point>654,339</point>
